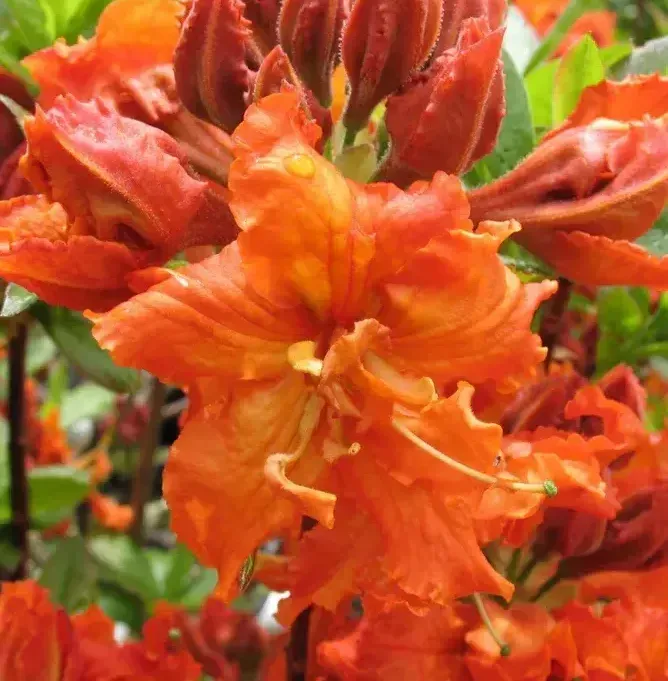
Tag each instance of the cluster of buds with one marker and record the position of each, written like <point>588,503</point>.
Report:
<point>436,62</point>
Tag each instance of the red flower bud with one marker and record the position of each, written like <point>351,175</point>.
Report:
<point>455,12</point>
<point>384,43</point>
<point>213,78</point>
<point>449,117</point>
<point>309,33</point>
<point>263,15</point>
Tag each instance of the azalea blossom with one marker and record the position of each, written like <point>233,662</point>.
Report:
<point>322,353</point>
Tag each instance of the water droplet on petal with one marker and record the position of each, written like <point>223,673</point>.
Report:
<point>300,165</point>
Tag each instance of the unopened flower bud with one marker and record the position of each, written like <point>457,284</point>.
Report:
<point>210,62</point>
<point>449,117</point>
<point>455,12</point>
<point>384,43</point>
<point>309,33</point>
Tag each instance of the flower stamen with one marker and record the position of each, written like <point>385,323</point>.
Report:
<point>548,487</point>
<point>504,648</point>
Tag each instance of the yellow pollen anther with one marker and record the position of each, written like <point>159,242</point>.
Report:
<point>300,165</point>
<point>301,357</point>
<point>354,448</point>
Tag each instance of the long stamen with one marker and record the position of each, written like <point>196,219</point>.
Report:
<point>504,648</point>
<point>547,487</point>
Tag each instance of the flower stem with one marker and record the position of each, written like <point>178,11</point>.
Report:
<point>144,472</point>
<point>20,521</point>
<point>552,323</point>
<point>548,585</point>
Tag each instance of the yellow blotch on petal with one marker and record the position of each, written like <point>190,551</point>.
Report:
<point>300,165</point>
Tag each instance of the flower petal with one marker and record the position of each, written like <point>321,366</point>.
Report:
<point>631,99</point>
<point>112,173</point>
<point>218,326</point>
<point>598,260</point>
<point>124,64</point>
<point>456,312</point>
<point>222,505</point>
<point>607,178</point>
<point>399,645</point>
<point>80,272</point>
<point>338,238</point>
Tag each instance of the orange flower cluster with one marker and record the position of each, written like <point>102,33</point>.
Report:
<point>41,643</point>
<point>363,376</point>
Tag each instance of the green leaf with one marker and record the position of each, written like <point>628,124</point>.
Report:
<point>656,240</point>
<point>552,41</point>
<point>69,575</point>
<point>516,137</point>
<point>618,311</point>
<point>540,88</point>
<point>177,579</point>
<point>121,606</point>
<point>53,492</point>
<point>35,22</point>
<point>652,57</point>
<point>200,588</point>
<point>71,332</point>
<point>124,564</point>
<point>16,300</point>
<point>580,67</point>
<point>525,265</point>
<point>59,377</point>
<point>87,400</point>
<point>357,163</point>
<point>613,54</point>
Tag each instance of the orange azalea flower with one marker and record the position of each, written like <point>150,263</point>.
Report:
<point>37,638</point>
<point>103,213</point>
<point>314,341</point>
<point>592,186</point>
<point>398,645</point>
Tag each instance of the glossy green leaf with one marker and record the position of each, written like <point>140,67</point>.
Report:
<point>69,575</point>
<point>124,564</point>
<point>540,89</point>
<point>16,300</point>
<point>71,332</point>
<point>580,67</point>
<point>516,137</point>
<point>553,39</point>
<point>35,22</point>
<point>87,400</point>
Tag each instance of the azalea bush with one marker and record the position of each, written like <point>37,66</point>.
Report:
<point>334,339</point>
